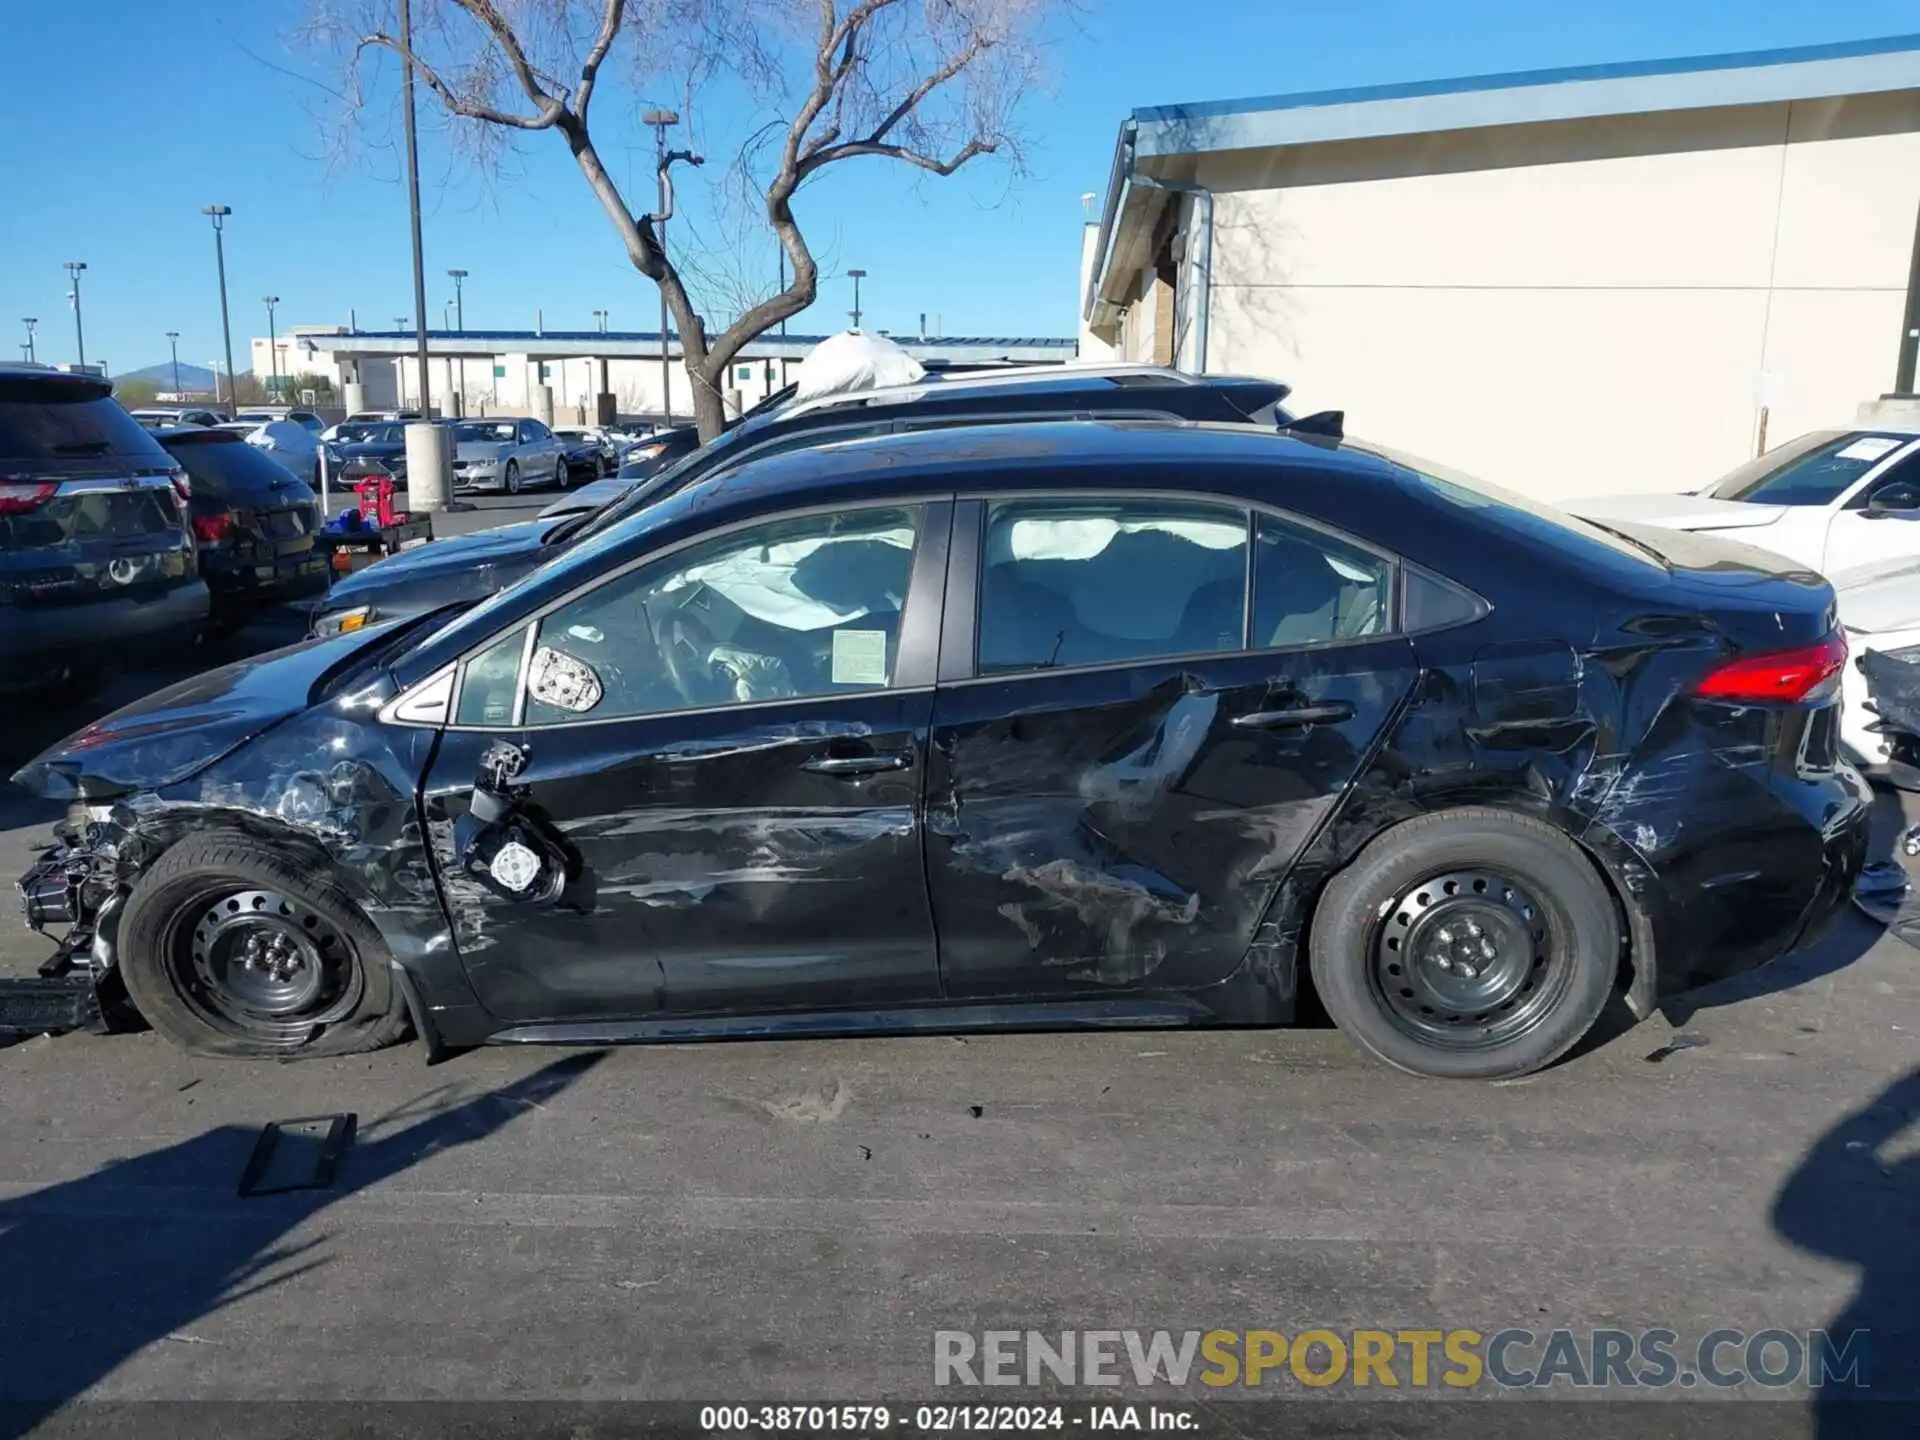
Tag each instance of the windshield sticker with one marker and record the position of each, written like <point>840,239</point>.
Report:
<point>558,679</point>
<point>859,657</point>
<point>1869,448</point>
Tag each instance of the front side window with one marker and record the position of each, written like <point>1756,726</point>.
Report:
<point>1092,583</point>
<point>808,606</point>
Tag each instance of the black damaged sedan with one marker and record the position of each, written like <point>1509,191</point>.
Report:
<point>1032,726</point>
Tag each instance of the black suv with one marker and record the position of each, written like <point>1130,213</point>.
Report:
<point>470,567</point>
<point>96,550</point>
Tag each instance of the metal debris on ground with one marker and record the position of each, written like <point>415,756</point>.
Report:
<point>297,1155</point>
<point>46,1007</point>
<point>1685,1040</point>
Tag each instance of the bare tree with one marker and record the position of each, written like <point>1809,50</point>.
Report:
<point>927,83</point>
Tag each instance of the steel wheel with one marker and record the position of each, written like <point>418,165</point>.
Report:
<point>265,961</point>
<point>1465,960</point>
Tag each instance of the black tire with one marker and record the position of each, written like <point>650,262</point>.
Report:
<point>1388,945</point>
<point>511,484</point>
<point>562,474</point>
<point>173,957</point>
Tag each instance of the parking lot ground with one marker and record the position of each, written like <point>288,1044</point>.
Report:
<point>744,1221</point>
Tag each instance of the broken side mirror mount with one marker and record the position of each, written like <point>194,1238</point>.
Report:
<point>498,844</point>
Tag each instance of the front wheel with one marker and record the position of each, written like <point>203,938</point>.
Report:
<point>562,473</point>
<point>1471,944</point>
<point>512,481</point>
<point>228,947</point>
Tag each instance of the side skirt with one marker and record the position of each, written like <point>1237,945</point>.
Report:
<point>1097,1014</point>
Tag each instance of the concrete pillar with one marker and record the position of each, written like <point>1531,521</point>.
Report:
<point>443,397</point>
<point>543,403</point>
<point>429,467</point>
<point>355,397</point>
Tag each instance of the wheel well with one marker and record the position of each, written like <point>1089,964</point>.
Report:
<point>1638,958</point>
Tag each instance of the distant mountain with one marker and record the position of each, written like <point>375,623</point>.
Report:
<point>192,377</point>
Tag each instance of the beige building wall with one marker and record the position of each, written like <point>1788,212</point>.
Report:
<point>1576,307</point>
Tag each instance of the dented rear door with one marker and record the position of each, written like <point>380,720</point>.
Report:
<point>1123,826</point>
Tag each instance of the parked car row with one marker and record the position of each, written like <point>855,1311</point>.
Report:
<point>115,537</point>
<point>1085,697</point>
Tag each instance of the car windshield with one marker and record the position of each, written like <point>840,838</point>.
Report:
<point>501,434</point>
<point>1814,469</point>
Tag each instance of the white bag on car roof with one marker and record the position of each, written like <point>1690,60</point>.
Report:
<point>854,360</point>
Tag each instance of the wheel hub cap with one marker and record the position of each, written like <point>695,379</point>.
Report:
<point>1462,959</point>
<point>264,952</point>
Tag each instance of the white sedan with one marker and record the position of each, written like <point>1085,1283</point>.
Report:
<point>1834,500</point>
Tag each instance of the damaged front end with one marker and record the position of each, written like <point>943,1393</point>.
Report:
<point>72,894</point>
<point>1893,695</point>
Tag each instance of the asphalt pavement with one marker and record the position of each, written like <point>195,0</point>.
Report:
<point>742,1222</point>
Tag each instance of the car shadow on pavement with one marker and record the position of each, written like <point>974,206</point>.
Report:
<point>1855,1198</point>
<point>94,1270</point>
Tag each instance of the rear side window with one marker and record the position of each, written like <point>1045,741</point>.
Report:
<point>43,420</point>
<point>1091,583</point>
<point>1311,589</point>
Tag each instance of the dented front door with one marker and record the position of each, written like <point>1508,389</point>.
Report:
<point>1125,827</point>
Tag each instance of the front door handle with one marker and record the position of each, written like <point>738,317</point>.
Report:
<point>1331,713</point>
<point>858,764</point>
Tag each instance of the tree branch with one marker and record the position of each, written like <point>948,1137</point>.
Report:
<point>602,43</point>
<point>455,102</point>
<point>510,46</point>
<point>852,148</point>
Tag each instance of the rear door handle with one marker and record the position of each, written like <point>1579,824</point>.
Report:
<point>1331,713</point>
<point>858,764</point>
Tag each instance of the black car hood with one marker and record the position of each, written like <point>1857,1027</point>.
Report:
<point>176,732</point>
<point>453,557</point>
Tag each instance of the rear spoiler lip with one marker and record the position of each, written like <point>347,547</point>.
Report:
<point>1330,424</point>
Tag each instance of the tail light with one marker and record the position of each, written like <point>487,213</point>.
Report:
<point>17,498</point>
<point>1779,676</point>
<point>182,486</point>
<point>216,529</point>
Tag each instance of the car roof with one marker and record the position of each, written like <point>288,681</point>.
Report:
<point>1034,379</point>
<point>1008,455</point>
<point>19,370</point>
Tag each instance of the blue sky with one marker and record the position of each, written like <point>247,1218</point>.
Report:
<point>120,119</point>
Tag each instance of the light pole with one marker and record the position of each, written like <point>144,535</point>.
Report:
<point>858,276</point>
<point>74,267</point>
<point>218,214</point>
<point>460,325</point>
<point>664,158</point>
<point>173,343</point>
<point>30,321</point>
<point>273,340</point>
<point>413,207</point>
<point>600,316</point>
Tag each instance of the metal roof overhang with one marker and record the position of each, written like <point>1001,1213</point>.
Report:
<point>1157,138</point>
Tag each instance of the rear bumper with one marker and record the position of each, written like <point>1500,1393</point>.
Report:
<point>95,629</point>
<point>284,579</point>
<point>1734,889</point>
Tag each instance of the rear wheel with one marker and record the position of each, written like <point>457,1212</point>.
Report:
<point>1469,944</point>
<point>230,948</point>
